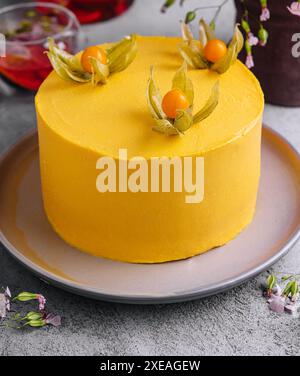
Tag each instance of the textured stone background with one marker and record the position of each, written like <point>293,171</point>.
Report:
<point>237,322</point>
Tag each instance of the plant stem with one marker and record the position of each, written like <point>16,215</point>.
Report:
<point>218,7</point>
<point>219,10</point>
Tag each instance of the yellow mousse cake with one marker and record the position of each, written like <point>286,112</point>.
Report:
<point>80,123</point>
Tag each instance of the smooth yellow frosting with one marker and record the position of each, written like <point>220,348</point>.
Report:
<point>78,123</point>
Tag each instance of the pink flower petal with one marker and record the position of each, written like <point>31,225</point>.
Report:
<point>42,302</point>
<point>276,303</point>
<point>252,40</point>
<point>52,319</point>
<point>265,14</point>
<point>290,308</point>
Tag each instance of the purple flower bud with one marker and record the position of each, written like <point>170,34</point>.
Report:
<point>167,4</point>
<point>26,296</point>
<point>42,302</point>
<point>252,39</point>
<point>245,26</point>
<point>249,61</point>
<point>33,316</point>
<point>263,36</point>
<point>265,14</point>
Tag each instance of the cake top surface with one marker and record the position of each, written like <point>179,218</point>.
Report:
<point>113,116</point>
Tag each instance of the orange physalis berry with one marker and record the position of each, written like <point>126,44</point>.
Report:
<point>174,100</point>
<point>214,50</point>
<point>93,51</point>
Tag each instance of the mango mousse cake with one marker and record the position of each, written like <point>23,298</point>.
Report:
<point>102,129</point>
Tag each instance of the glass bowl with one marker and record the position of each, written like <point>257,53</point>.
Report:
<point>26,28</point>
<point>88,11</point>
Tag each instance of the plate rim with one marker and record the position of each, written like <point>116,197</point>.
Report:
<point>88,291</point>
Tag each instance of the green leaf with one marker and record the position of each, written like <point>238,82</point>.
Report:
<point>193,58</point>
<point>206,32</point>
<point>184,120</point>
<point>210,105</point>
<point>122,54</point>
<point>165,126</point>
<point>286,277</point>
<point>288,288</point>
<point>182,82</point>
<point>100,71</point>
<point>271,281</point>
<point>294,288</point>
<point>154,98</point>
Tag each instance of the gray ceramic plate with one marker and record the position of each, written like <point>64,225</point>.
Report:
<point>27,235</point>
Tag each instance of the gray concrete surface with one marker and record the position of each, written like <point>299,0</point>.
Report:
<point>237,322</point>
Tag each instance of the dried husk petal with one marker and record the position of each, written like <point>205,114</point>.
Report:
<point>120,47</point>
<point>184,120</point>
<point>195,46</point>
<point>237,39</point>
<point>121,55</point>
<point>123,62</point>
<point>65,72</point>
<point>100,71</point>
<point>231,55</point>
<point>70,60</point>
<point>66,65</point>
<point>187,34</point>
<point>182,82</point>
<point>225,63</point>
<point>210,105</point>
<point>165,126</point>
<point>81,77</point>
<point>154,98</point>
<point>206,32</point>
<point>58,66</point>
<point>192,57</point>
